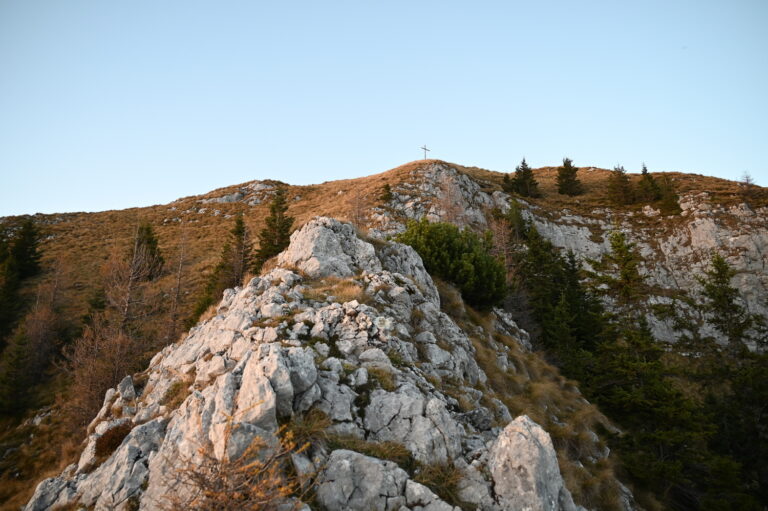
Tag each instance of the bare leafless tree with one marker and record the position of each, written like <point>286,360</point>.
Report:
<point>257,479</point>
<point>356,203</point>
<point>747,187</point>
<point>96,361</point>
<point>124,280</point>
<point>173,311</point>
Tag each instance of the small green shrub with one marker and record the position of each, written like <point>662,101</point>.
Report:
<point>461,257</point>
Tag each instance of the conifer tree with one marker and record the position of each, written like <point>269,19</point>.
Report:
<point>524,182</point>
<point>14,376</point>
<point>275,236</point>
<point>668,199</point>
<point>19,259</point>
<point>386,193</point>
<point>647,189</point>
<point>146,248</point>
<point>567,182</point>
<point>722,303</point>
<point>619,272</point>
<point>24,250</point>
<point>229,271</point>
<point>619,187</point>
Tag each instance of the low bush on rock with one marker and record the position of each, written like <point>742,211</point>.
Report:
<point>107,443</point>
<point>461,257</point>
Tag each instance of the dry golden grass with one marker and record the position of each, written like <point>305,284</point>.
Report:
<point>384,377</point>
<point>342,290</point>
<point>42,452</point>
<point>176,394</point>
<point>392,451</point>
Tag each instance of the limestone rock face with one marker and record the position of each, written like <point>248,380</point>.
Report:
<point>523,464</point>
<point>676,249</point>
<point>393,369</point>
<point>326,247</point>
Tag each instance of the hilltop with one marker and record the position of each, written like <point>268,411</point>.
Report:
<point>81,241</point>
<point>675,250</point>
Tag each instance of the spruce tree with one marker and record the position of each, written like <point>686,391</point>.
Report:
<point>14,375</point>
<point>275,236</point>
<point>619,273</point>
<point>24,250</point>
<point>668,199</point>
<point>19,259</point>
<point>722,303</point>
<point>229,271</point>
<point>386,194</point>
<point>524,182</point>
<point>647,189</point>
<point>619,187</point>
<point>567,182</point>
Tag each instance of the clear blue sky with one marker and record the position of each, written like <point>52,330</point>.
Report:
<point>111,104</point>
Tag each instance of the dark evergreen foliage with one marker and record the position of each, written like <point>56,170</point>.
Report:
<point>647,189</point>
<point>523,183</point>
<point>275,236</point>
<point>145,244</point>
<point>386,194</point>
<point>618,271</point>
<point>229,272</point>
<point>19,260</point>
<point>567,182</point>
<point>722,303</point>
<point>668,199</point>
<point>461,257</point>
<point>678,449</point>
<point>620,190</point>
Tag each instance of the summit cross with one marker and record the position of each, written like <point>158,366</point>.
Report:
<point>425,150</point>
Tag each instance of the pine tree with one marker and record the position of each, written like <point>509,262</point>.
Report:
<point>237,258</point>
<point>459,256</point>
<point>275,236</point>
<point>647,189</point>
<point>567,182</point>
<point>619,187</point>
<point>524,182</point>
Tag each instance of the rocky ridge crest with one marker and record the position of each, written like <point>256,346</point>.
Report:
<point>676,250</point>
<point>278,348</point>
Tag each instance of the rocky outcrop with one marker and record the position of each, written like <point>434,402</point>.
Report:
<point>676,249</point>
<point>391,371</point>
<point>524,468</point>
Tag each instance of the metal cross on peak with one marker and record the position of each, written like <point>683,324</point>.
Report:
<point>425,150</point>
